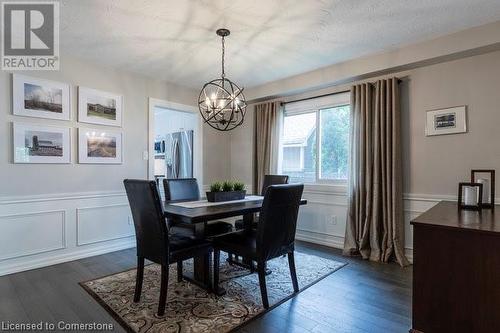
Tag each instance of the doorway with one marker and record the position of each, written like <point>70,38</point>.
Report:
<point>175,142</point>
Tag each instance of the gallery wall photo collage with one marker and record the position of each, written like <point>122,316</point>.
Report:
<point>39,143</point>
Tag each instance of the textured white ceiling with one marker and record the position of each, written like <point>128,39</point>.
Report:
<point>270,39</point>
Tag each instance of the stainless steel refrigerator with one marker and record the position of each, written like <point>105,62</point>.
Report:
<point>179,155</point>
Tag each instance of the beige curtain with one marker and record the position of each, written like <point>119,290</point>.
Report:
<point>375,225</point>
<point>266,141</point>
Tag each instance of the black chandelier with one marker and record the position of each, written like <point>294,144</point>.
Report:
<point>221,102</point>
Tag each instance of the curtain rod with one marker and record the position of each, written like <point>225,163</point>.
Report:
<point>324,95</point>
<point>314,97</point>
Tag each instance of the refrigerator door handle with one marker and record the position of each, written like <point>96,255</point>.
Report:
<point>173,159</point>
<point>177,158</point>
<point>172,162</point>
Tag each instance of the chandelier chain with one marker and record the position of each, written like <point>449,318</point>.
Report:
<point>223,53</point>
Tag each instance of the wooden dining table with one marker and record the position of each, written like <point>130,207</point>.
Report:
<point>199,217</point>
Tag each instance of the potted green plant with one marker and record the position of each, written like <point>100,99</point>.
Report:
<point>226,191</point>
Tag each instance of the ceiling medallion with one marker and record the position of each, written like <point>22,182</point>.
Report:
<point>221,102</point>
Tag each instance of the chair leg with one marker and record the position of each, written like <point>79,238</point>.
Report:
<point>293,273</point>
<point>138,279</point>
<point>179,271</point>
<point>253,265</point>
<point>261,268</point>
<point>163,290</point>
<point>216,269</point>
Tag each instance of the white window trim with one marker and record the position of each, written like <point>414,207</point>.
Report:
<point>301,159</point>
<point>313,105</point>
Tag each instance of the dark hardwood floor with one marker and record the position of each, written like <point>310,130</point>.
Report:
<point>361,297</point>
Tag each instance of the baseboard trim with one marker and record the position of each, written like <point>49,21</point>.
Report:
<point>328,240</point>
<point>409,254</point>
<point>57,259</point>
<point>333,241</point>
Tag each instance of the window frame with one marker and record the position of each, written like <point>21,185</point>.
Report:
<point>315,105</point>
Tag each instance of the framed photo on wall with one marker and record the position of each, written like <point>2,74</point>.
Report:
<point>99,107</point>
<point>41,144</point>
<point>99,146</point>
<point>446,121</point>
<point>33,97</point>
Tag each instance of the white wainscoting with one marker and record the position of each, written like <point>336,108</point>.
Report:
<point>37,232</point>
<point>323,219</point>
<point>112,221</point>
<point>43,230</point>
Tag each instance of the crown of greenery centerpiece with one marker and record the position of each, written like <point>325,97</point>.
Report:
<point>227,186</point>
<point>226,191</point>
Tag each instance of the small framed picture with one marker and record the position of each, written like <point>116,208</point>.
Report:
<point>470,196</point>
<point>33,97</point>
<point>486,177</point>
<point>446,121</point>
<point>41,144</point>
<point>99,107</point>
<point>99,146</point>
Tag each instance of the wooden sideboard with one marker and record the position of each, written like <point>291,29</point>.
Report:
<point>456,270</point>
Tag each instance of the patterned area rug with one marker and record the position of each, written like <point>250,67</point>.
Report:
<point>192,309</point>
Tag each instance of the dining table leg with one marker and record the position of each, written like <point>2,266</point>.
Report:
<point>202,265</point>
<point>248,220</point>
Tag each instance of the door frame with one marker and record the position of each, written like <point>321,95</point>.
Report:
<point>197,137</point>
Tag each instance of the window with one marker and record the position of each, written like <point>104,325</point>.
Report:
<point>334,142</point>
<point>293,158</point>
<point>298,141</point>
<point>315,140</point>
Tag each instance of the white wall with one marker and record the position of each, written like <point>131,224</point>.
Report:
<point>18,179</point>
<point>217,155</point>
<point>485,38</point>
<point>53,212</point>
<point>241,149</point>
<point>432,166</point>
<point>169,121</point>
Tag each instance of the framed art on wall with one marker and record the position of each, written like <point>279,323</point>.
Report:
<point>99,107</point>
<point>41,144</point>
<point>33,97</point>
<point>99,146</point>
<point>446,121</point>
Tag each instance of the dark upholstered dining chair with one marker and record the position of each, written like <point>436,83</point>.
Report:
<point>181,189</point>
<point>274,237</point>
<point>187,189</point>
<point>268,181</point>
<point>273,180</point>
<point>154,242</point>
